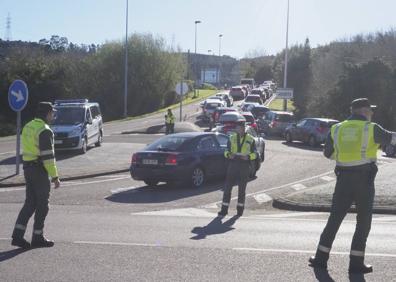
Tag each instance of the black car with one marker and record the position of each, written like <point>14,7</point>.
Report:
<point>190,157</point>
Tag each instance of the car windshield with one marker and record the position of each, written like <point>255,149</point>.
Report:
<point>252,99</point>
<point>249,118</point>
<point>68,116</point>
<point>211,106</point>
<point>167,143</point>
<point>284,118</point>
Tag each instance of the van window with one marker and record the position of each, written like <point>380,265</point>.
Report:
<point>95,112</point>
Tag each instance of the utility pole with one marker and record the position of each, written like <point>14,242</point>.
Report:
<point>8,28</point>
<point>126,64</point>
<point>286,50</point>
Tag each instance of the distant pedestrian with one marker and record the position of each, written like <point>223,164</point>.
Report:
<point>241,150</point>
<point>38,164</point>
<point>169,122</point>
<point>353,144</point>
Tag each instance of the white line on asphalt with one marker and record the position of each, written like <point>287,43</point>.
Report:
<point>385,218</point>
<point>120,190</point>
<point>93,182</point>
<point>114,243</point>
<point>4,153</point>
<point>289,214</point>
<point>11,189</point>
<point>187,212</point>
<point>210,206</point>
<point>5,239</point>
<point>279,187</point>
<point>306,252</point>
<point>113,176</point>
<point>262,198</point>
<point>298,186</point>
<point>327,178</point>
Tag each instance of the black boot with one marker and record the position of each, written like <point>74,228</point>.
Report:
<point>222,212</point>
<point>20,242</point>
<point>356,265</point>
<point>319,260</point>
<point>239,211</point>
<point>39,241</point>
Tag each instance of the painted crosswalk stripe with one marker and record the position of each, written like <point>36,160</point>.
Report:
<point>298,186</point>
<point>327,178</point>
<point>187,212</point>
<point>120,190</point>
<point>262,198</point>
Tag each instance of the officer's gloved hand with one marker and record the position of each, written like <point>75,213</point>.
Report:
<point>56,182</point>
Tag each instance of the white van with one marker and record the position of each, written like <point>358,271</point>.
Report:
<point>77,124</point>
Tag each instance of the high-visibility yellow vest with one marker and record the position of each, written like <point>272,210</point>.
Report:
<point>31,148</point>
<point>354,143</point>
<point>170,119</point>
<point>245,146</point>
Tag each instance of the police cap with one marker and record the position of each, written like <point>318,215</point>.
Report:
<point>361,103</point>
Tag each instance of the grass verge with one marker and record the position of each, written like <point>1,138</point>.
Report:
<point>203,94</point>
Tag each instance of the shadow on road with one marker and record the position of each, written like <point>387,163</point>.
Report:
<point>216,226</point>
<point>161,193</point>
<point>300,145</point>
<point>11,253</point>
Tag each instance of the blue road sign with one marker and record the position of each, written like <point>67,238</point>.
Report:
<point>18,95</point>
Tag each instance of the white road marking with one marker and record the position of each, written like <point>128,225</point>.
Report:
<point>5,153</point>
<point>298,186</point>
<point>385,218</point>
<point>93,182</point>
<point>120,190</point>
<point>262,198</point>
<point>290,214</point>
<point>327,178</point>
<point>11,189</point>
<point>114,243</point>
<point>188,212</point>
<point>307,252</point>
<point>279,187</point>
<point>5,239</point>
<point>211,206</point>
<point>113,176</point>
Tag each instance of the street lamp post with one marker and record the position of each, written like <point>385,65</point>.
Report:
<point>195,57</point>
<point>126,64</point>
<point>286,50</point>
<point>218,70</point>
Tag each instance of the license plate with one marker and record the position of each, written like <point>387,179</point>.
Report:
<point>150,162</point>
<point>58,142</point>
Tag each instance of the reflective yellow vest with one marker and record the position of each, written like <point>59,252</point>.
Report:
<point>31,147</point>
<point>170,119</point>
<point>354,143</point>
<point>246,148</point>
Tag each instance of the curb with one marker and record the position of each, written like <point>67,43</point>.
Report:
<point>285,204</point>
<point>70,178</point>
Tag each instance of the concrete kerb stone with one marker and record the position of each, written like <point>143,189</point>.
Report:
<point>160,128</point>
<point>288,204</point>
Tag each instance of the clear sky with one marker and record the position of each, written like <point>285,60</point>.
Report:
<point>246,24</point>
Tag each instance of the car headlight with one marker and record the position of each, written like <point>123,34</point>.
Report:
<point>75,132</point>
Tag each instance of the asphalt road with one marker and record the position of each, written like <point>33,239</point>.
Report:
<point>114,228</point>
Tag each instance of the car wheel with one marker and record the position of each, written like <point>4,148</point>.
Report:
<point>151,183</point>
<point>84,146</point>
<point>312,141</point>
<point>390,150</point>
<point>197,177</point>
<point>100,139</point>
<point>288,137</point>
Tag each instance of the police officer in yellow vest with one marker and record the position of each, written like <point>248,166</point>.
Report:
<point>353,144</point>
<point>169,122</point>
<point>241,150</point>
<point>38,164</point>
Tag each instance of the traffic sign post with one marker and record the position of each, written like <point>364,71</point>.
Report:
<point>284,93</point>
<point>17,98</point>
<point>181,90</point>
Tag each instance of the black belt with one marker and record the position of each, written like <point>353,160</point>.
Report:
<point>32,163</point>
